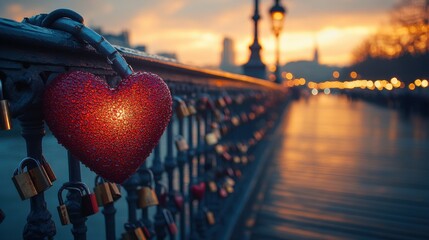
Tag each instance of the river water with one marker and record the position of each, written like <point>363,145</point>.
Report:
<point>345,170</point>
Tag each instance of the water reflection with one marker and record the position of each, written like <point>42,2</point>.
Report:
<point>347,170</point>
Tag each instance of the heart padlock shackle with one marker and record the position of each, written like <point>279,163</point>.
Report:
<point>111,130</point>
<point>147,195</point>
<point>5,117</point>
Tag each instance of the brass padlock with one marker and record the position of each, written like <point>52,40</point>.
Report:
<point>235,121</point>
<point>5,117</point>
<point>48,169</point>
<point>236,159</point>
<point>102,192</point>
<point>220,102</point>
<point>62,208</point>
<point>181,144</point>
<point>219,149</point>
<point>39,177</point>
<point>147,196</point>
<point>23,182</point>
<point>209,217</point>
<point>115,190</point>
<point>191,109</point>
<point>211,139</point>
<point>182,110</point>
<point>212,186</point>
<point>133,233</point>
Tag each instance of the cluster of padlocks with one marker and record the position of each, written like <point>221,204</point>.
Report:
<point>210,142</point>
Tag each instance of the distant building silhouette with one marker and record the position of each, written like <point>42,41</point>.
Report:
<point>227,62</point>
<point>142,48</point>
<point>121,39</point>
<point>311,70</point>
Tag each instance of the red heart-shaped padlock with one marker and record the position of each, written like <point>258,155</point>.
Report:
<point>112,131</point>
<point>198,190</point>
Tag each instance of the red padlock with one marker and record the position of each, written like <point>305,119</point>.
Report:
<point>178,200</point>
<point>89,204</point>
<point>198,190</point>
<point>169,220</point>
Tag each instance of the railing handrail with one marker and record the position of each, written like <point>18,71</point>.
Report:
<point>13,33</point>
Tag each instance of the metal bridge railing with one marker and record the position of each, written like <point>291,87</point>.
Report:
<point>195,176</point>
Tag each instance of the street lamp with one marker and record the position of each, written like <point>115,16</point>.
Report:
<point>278,13</point>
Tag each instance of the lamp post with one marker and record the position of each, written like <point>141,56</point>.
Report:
<point>278,13</point>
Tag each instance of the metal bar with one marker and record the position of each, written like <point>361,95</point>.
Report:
<point>181,159</point>
<point>158,169</point>
<point>39,221</point>
<point>74,200</point>
<point>109,212</point>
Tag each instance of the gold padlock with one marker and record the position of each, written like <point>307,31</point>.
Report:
<point>235,121</point>
<point>212,186</point>
<point>39,177</point>
<point>211,138</point>
<point>48,169</point>
<point>182,110</point>
<point>210,217</point>
<point>191,109</point>
<point>138,233</point>
<point>5,117</point>
<point>147,196</point>
<point>181,144</point>
<point>115,190</point>
<point>102,192</point>
<point>62,209</point>
<point>22,180</point>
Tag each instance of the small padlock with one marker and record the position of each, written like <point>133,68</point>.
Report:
<point>238,173</point>
<point>89,204</point>
<point>169,220</point>
<point>235,121</point>
<point>220,102</point>
<point>209,216</point>
<point>145,230</point>
<point>48,169</point>
<point>178,200</point>
<point>23,182</point>
<point>191,108</point>
<point>115,190</point>
<point>229,189</point>
<point>211,139</point>
<point>39,177</point>
<point>181,144</point>
<point>62,208</point>
<point>147,196</point>
<point>212,186</point>
<point>222,192</point>
<point>244,160</point>
<point>5,117</point>
<point>133,232</point>
<point>182,110</point>
<point>236,159</point>
<point>219,149</point>
<point>198,190</point>
<point>244,117</point>
<point>2,216</point>
<point>102,192</point>
<point>224,129</point>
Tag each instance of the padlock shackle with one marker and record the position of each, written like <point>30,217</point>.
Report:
<point>80,31</point>
<point>66,187</point>
<point>97,178</point>
<point>82,187</point>
<point>24,163</point>
<point>152,179</point>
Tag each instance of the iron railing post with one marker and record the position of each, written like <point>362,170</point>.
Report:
<point>74,200</point>
<point>39,221</point>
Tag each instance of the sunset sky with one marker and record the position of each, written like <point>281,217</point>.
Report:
<point>194,29</point>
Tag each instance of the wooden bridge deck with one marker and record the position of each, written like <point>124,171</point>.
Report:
<point>344,170</point>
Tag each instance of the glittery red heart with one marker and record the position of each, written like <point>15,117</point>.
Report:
<point>112,131</point>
